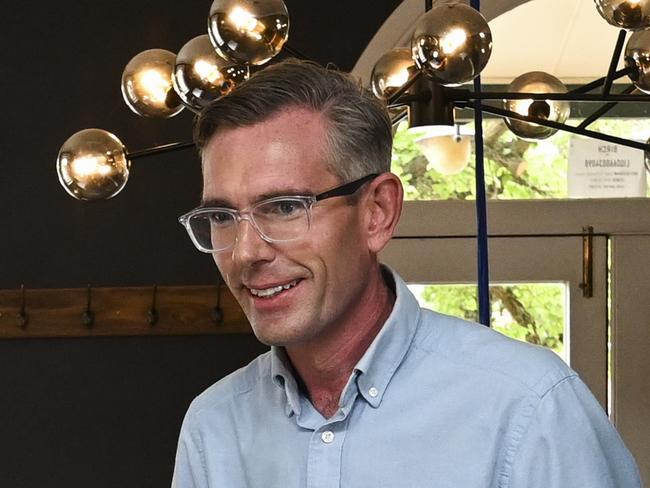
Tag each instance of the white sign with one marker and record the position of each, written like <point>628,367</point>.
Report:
<point>600,169</point>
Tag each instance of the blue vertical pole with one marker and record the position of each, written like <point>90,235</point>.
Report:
<point>481,207</point>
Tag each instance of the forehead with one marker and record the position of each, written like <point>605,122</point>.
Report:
<point>284,152</point>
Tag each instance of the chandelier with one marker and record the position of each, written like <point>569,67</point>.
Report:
<point>425,83</point>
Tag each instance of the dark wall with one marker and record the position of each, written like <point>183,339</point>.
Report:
<point>106,412</point>
<point>103,413</point>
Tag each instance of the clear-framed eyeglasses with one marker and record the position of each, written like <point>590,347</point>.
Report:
<point>277,219</point>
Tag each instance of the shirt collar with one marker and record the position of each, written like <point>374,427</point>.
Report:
<point>282,374</point>
<point>377,366</point>
<point>380,361</point>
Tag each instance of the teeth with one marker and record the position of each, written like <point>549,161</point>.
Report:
<point>269,292</point>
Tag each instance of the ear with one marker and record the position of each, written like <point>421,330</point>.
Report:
<point>382,208</point>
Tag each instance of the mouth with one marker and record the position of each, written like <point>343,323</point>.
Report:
<point>272,291</point>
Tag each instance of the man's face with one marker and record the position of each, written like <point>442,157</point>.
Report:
<point>325,270</point>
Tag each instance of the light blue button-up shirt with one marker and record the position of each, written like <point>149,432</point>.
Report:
<point>434,402</point>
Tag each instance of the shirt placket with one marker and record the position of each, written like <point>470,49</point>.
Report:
<point>325,454</point>
<point>327,440</point>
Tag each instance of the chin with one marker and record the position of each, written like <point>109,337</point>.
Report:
<point>281,332</point>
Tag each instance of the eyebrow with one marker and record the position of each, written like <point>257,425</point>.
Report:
<point>215,202</point>
<point>287,192</point>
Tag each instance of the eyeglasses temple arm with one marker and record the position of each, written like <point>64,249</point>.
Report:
<point>346,189</point>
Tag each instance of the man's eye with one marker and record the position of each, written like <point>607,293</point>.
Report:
<point>283,208</point>
<point>221,218</point>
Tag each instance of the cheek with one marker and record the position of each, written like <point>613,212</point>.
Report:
<point>341,225</point>
<point>223,265</point>
<point>218,260</point>
<point>341,247</point>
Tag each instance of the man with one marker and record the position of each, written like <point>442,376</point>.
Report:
<point>362,387</point>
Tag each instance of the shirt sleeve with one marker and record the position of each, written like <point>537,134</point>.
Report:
<point>570,442</point>
<point>189,468</point>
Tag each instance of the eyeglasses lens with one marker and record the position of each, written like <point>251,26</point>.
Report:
<point>282,220</point>
<point>214,230</point>
<point>276,220</point>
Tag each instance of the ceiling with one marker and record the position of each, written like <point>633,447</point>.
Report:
<point>566,38</point>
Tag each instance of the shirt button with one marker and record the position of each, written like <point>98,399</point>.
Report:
<point>327,436</point>
<point>373,392</point>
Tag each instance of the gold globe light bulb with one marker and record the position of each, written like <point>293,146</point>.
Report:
<point>451,44</point>
<point>201,75</point>
<point>207,71</point>
<point>625,14</point>
<point>391,72</point>
<point>637,57</point>
<point>446,149</point>
<point>156,86</point>
<point>248,31</point>
<point>245,23</point>
<point>453,40</point>
<point>147,84</point>
<point>92,165</point>
<point>552,110</point>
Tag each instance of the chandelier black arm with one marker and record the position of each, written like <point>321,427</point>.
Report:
<point>600,81</point>
<point>164,148</point>
<point>620,41</point>
<point>460,102</point>
<point>393,99</point>
<point>576,95</point>
<point>603,110</point>
<point>397,118</point>
<point>459,95</point>
<point>556,125</point>
<point>295,53</point>
<point>410,98</point>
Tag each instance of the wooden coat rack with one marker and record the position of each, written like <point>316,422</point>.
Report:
<point>123,311</point>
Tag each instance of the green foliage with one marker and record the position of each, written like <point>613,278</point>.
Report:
<point>514,169</point>
<point>533,313</point>
<point>421,183</point>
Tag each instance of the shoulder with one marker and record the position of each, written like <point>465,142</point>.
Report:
<point>493,356</point>
<point>230,388</point>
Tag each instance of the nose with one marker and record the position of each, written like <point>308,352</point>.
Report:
<point>250,247</point>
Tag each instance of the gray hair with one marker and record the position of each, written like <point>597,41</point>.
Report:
<point>359,137</point>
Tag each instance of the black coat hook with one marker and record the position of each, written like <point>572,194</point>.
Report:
<point>217,311</point>
<point>23,318</point>
<point>152,314</point>
<point>88,317</point>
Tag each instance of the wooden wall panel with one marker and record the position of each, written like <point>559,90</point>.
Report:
<point>122,311</point>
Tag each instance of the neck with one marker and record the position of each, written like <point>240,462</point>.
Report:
<point>325,364</point>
